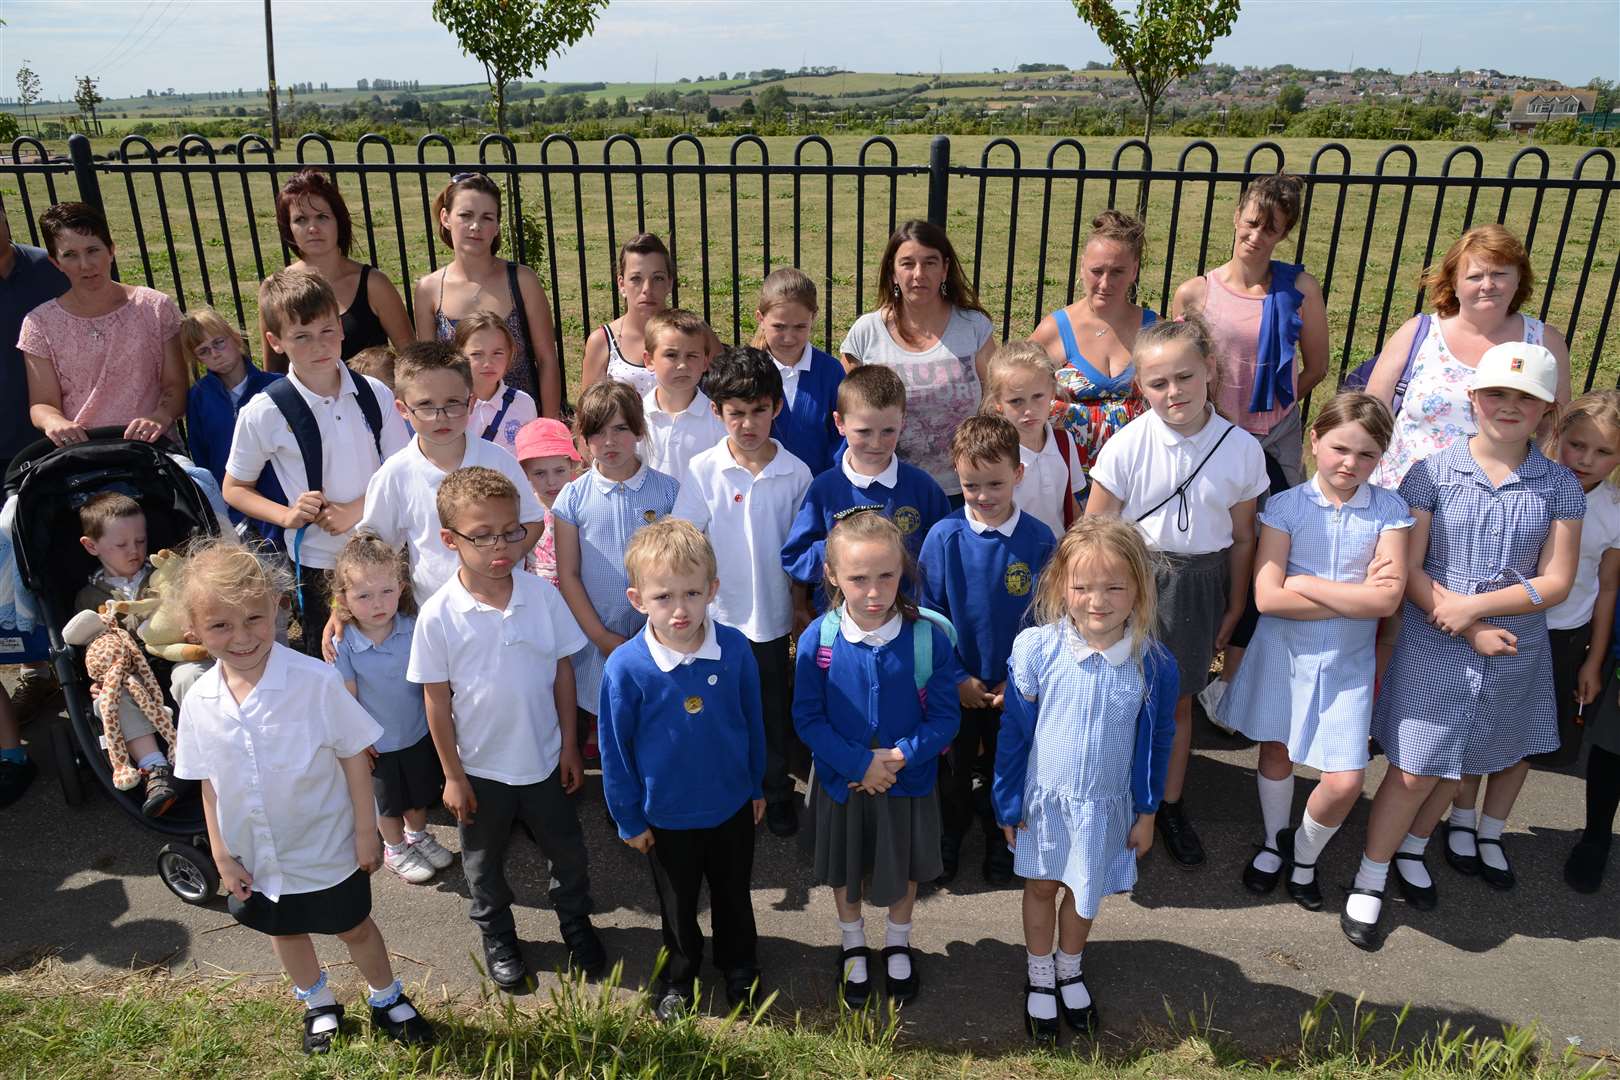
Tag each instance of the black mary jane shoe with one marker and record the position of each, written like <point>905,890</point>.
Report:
<point>855,994</point>
<point>1421,897</point>
<point>900,991</point>
<point>1261,882</point>
<point>414,1030</point>
<point>1363,935</point>
<point>1308,895</point>
<point>1463,864</point>
<point>1044,1032</point>
<point>321,1042</point>
<point>1180,838</point>
<point>1496,879</point>
<point>1083,1020</point>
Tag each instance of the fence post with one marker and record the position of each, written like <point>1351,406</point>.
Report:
<point>939,177</point>
<point>84,170</point>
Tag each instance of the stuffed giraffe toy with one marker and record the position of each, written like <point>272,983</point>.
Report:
<point>118,666</point>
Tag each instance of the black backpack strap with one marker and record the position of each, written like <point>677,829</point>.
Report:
<point>369,408</point>
<point>306,432</point>
<point>495,425</point>
<point>1181,488</point>
<point>522,313</point>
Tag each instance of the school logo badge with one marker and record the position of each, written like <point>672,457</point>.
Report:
<point>650,516</point>
<point>1018,579</point>
<point>907,519</point>
<point>694,705</point>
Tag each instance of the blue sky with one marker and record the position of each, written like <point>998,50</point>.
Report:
<point>213,44</point>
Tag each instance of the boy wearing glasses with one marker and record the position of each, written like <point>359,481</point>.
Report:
<point>491,651</point>
<point>432,391</point>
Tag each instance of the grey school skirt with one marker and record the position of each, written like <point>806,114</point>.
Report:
<point>1192,601</point>
<point>874,846</point>
<point>1603,716</point>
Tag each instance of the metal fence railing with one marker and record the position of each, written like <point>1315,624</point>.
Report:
<point>197,220</point>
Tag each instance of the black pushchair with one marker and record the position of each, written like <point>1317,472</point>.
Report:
<point>51,484</point>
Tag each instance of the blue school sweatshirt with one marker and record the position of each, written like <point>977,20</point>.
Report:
<point>806,427</point>
<point>682,749</point>
<point>984,583</point>
<point>867,697</point>
<point>210,425</point>
<point>914,504</point>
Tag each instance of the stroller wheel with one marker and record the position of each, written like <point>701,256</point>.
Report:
<point>67,765</point>
<point>188,872</point>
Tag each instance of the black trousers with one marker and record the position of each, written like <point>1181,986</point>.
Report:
<point>315,607</point>
<point>973,750</point>
<point>776,694</point>
<point>549,814</point>
<point>682,860</point>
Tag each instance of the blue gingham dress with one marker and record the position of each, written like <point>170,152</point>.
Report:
<point>607,514</point>
<point>1445,710</point>
<point>1077,797</point>
<point>1308,683</point>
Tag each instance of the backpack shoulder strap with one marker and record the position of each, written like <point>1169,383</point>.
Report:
<point>306,432</point>
<point>830,623</point>
<point>922,644</point>
<point>1061,439</point>
<point>370,409</point>
<point>495,425</point>
<point>1418,336</point>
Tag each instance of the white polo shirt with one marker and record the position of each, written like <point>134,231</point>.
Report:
<point>402,506</point>
<point>484,412</point>
<point>1599,533</point>
<point>1150,460</point>
<point>747,519</point>
<point>501,666</point>
<point>673,439</point>
<point>284,806</point>
<point>348,452</point>
<point>1047,480</point>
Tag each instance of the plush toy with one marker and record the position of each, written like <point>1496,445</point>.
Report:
<point>160,629</point>
<point>123,680</point>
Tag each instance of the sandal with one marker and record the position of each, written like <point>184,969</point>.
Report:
<point>1309,894</point>
<point>1258,881</point>
<point>1463,864</point>
<point>1042,1031</point>
<point>1496,879</point>
<point>1083,1020</point>
<point>1422,897</point>
<point>321,1042</point>
<point>852,993</point>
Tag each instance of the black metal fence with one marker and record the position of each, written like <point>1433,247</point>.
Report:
<point>198,220</point>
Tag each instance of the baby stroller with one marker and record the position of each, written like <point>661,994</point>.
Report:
<point>51,483</point>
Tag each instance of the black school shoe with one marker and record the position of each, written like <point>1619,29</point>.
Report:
<point>1308,895</point>
<point>162,790</point>
<point>855,994</point>
<point>670,1004</point>
<point>1463,864</point>
<point>321,1043</point>
<point>1363,935</point>
<point>1261,882</point>
<point>1083,1020</point>
<point>1044,1032</point>
<point>585,951</point>
<point>744,989</point>
<point>503,960</point>
<point>900,991</point>
<point>1422,897</point>
<point>782,818</point>
<point>414,1030</point>
<point>1180,839</point>
<point>950,857</point>
<point>1583,870</point>
<point>1496,879</point>
<point>998,858</point>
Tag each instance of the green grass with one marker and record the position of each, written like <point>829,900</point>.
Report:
<point>1011,300</point>
<point>146,1024</point>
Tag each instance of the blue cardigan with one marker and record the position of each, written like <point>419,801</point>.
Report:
<point>806,427</point>
<point>1155,732</point>
<point>983,583</point>
<point>210,426</point>
<point>867,697</point>
<point>914,504</point>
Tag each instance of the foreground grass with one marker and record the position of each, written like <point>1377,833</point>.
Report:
<point>147,1024</point>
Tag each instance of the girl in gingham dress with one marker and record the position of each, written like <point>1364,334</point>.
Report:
<point>1332,562</point>
<point>1083,751</point>
<point>1469,690</point>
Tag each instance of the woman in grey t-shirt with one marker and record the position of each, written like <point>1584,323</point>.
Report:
<point>930,329</point>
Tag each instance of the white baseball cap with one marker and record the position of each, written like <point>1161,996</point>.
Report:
<point>1518,365</point>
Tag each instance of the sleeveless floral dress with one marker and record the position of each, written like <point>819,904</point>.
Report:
<point>1098,405</point>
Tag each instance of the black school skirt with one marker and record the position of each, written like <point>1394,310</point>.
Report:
<point>332,910</point>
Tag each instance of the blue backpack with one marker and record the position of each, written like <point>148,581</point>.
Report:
<point>1357,379</point>
<point>922,645</point>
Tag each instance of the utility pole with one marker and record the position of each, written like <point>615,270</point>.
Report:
<point>270,62</point>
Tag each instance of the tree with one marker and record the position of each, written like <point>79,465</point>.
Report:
<point>1168,41</point>
<point>512,38</point>
<point>1607,97</point>
<point>772,101</point>
<point>87,97</point>
<point>1291,98</point>
<point>27,87</point>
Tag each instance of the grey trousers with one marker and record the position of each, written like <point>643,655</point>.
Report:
<point>549,814</point>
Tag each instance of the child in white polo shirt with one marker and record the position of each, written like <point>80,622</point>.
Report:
<point>280,749</point>
<point>744,494</point>
<point>680,423</point>
<point>491,649</point>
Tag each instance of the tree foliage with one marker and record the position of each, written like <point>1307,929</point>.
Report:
<point>1168,41</point>
<point>1291,98</point>
<point>87,96</point>
<point>512,38</point>
<point>27,87</point>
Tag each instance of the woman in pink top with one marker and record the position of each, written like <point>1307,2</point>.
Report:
<point>103,353</point>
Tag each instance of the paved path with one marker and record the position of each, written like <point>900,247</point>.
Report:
<point>80,883</point>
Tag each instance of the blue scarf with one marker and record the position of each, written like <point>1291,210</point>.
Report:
<point>1279,335</point>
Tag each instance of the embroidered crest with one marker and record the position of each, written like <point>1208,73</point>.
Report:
<point>907,519</point>
<point>694,705</point>
<point>650,516</point>
<point>1018,579</point>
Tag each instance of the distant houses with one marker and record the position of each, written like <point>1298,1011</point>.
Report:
<point>1532,108</point>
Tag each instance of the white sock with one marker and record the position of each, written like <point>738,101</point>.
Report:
<point>319,996</point>
<point>151,761</point>
<point>413,837</point>
<point>1042,972</point>
<point>1374,876</point>
<point>397,849</point>
<point>1413,872</point>
<point>1490,828</point>
<point>392,998</point>
<point>854,936</point>
<point>1276,804</point>
<point>1075,996</point>
<point>899,965</point>
<point>1461,843</point>
<point>1309,840</point>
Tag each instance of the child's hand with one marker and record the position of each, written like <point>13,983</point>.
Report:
<point>371,758</point>
<point>893,759</point>
<point>1452,613</point>
<point>973,694</point>
<point>368,850</point>
<point>1589,681</point>
<point>642,843</point>
<point>234,876</point>
<point>1489,640</point>
<point>998,695</point>
<point>1140,839</point>
<point>331,634</point>
<point>303,510</point>
<point>1010,833</point>
<point>1384,572</point>
<point>460,801</point>
<point>339,518</point>
<point>1229,621</point>
<point>879,775</point>
<point>759,811</point>
<point>572,769</point>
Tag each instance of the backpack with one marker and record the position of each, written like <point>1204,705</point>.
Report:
<point>494,427</point>
<point>922,645</point>
<point>1358,379</point>
<point>1064,441</point>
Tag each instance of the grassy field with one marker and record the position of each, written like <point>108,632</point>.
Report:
<point>831,240</point>
<point>146,1024</point>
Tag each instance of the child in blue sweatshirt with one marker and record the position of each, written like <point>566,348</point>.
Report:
<point>874,699</point>
<point>682,739</point>
<point>866,476</point>
<point>979,569</point>
<point>810,377</point>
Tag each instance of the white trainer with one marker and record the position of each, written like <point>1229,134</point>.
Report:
<point>409,864</point>
<point>434,852</point>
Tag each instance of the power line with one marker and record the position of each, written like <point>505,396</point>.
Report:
<point>119,44</point>
<point>158,23</point>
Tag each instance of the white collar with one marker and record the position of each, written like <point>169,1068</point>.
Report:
<point>777,466</point>
<point>1005,528</point>
<point>888,477</point>
<point>802,364</point>
<point>698,407</point>
<point>463,600</point>
<point>361,641</point>
<point>130,585</point>
<point>1362,497</point>
<point>1169,436</point>
<point>345,384</point>
<point>856,636</point>
<point>604,485</point>
<point>273,677</point>
<point>668,659</point>
<point>1116,654</point>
